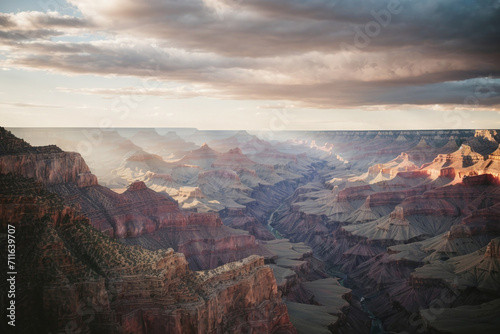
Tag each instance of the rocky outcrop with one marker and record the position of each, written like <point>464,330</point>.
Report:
<point>50,168</point>
<point>47,164</point>
<point>380,226</point>
<point>202,157</point>
<point>190,193</point>
<point>75,277</point>
<point>10,144</point>
<point>493,249</point>
<point>237,218</point>
<point>138,211</point>
<point>397,214</point>
<point>233,158</point>
<point>421,153</point>
<point>386,171</point>
<point>480,269</point>
<point>464,157</point>
<point>205,247</point>
<point>141,216</point>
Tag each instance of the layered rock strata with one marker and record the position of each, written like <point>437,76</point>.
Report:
<point>76,278</point>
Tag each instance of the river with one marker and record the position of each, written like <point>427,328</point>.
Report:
<point>275,232</point>
<point>376,326</point>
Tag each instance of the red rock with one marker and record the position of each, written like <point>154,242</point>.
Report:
<point>137,185</point>
<point>94,283</point>
<point>233,158</point>
<point>202,157</point>
<point>493,249</point>
<point>354,193</point>
<point>144,157</point>
<point>50,168</point>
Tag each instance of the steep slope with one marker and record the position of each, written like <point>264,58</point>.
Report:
<point>202,157</point>
<point>400,230</point>
<point>479,269</point>
<point>104,150</point>
<point>397,215</point>
<point>76,278</point>
<point>136,212</point>
<point>463,319</point>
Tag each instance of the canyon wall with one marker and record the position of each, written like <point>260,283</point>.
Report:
<point>76,278</point>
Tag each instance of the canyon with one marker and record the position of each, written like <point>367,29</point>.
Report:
<point>76,278</point>
<point>189,231</point>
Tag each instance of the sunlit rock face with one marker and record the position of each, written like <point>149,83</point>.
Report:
<point>406,237</point>
<point>69,266</point>
<point>138,211</point>
<point>124,287</point>
<point>406,219</point>
<point>48,164</point>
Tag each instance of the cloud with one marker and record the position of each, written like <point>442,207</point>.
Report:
<point>317,53</point>
<point>264,27</point>
<point>29,105</point>
<point>34,20</point>
<point>152,89</point>
<point>27,26</point>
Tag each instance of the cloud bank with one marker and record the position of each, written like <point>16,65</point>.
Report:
<point>316,53</point>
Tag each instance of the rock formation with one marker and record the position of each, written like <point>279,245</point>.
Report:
<point>137,212</point>
<point>74,278</point>
<point>403,236</point>
<point>405,219</point>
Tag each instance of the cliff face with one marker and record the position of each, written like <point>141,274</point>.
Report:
<point>210,301</point>
<point>237,218</point>
<point>136,212</point>
<point>48,164</point>
<point>204,247</point>
<point>397,214</point>
<point>75,277</point>
<point>404,233</point>
<point>225,180</point>
<point>233,158</point>
<point>50,168</point>
<point>141,216</point>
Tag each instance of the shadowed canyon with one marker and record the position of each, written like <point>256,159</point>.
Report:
<point>187,231</point>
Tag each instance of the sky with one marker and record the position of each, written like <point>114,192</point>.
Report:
<point>251,64</point>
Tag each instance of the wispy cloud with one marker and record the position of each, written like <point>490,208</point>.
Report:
<point>29,105</point>
<point>181,92</point>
